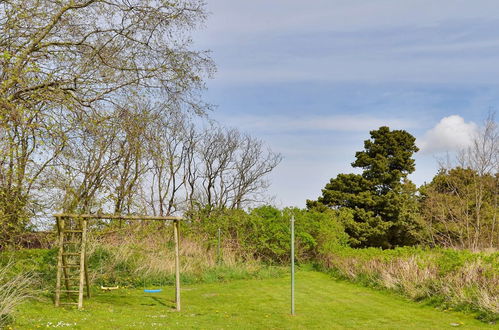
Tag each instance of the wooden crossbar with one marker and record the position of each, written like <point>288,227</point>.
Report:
<point>117,216</point>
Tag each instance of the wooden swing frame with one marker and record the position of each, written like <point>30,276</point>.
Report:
<point>84,219</point>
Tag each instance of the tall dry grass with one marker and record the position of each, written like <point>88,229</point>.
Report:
<point>472,283</point>
<point>14,289</point>
<point>140,255</point>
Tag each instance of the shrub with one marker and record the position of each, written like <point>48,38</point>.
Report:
<point>264,232</point>
<point>451,278</point>
<point>14,289</point>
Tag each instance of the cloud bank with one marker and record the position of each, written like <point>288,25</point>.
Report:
<point>338,123</point>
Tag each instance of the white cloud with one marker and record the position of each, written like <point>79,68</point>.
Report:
<point>450,134</point>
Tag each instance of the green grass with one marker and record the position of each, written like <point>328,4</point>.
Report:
<point>321,302</point>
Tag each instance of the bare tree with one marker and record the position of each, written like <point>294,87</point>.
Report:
<point>234,168</point>
<point>460,205</point>
<point>254,163</point>
<point>191,166</point>
<point>483,154</point>
<point>215,167</point>
<point>169,151</point>
<point>78,52</point>
<point>64,61</point>
<point>135,134</point>
<point>217,152</point>
<point>88,161</point>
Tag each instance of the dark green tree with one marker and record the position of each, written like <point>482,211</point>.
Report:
<point>382,199</point>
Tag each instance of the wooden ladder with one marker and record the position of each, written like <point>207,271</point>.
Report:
<point>72,262</point>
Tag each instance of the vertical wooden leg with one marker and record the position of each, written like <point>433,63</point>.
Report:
<point>64,261</point>
<point>82,262</point>
<point>86,275</point>
<point>177,263</point>
<point>60,228</point>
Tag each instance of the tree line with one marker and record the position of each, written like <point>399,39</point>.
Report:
<point>101,109</point>
<point>458,208</point>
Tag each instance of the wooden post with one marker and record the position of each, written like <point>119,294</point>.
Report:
<point>82,262</point>
<point>60,227</point>
<point>87,280</point>
<point>177,263</point>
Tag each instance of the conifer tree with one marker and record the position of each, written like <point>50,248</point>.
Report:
<point>382,199</point>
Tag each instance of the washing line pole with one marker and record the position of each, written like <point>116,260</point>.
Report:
<point>219,257</point>
<point>292,265</point>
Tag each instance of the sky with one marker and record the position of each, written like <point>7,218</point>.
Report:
<point>312,78</point>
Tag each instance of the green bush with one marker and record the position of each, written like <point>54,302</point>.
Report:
<point>264,232</point>
<point>39,262</point>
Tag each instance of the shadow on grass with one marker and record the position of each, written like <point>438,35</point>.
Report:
<point>159,301</point>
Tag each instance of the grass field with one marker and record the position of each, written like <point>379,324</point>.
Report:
<point>321,302</point>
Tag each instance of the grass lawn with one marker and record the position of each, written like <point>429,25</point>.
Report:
<point>321,302</point>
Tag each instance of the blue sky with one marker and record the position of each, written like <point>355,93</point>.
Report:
<point>312,78</point>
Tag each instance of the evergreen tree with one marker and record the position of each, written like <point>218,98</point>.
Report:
<point>382,199</point>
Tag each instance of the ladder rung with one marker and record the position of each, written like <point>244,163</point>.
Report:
<point>71,266</point>
<point>70,291</point>
<point>68,303</point>
<point>73,231</point>
<point>71,254</point>
<point>72,278</point>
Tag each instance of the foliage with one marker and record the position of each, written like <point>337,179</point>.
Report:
<point>382,200</point>
<point>14,289</point>
<point>145,257</point>
<point>460,205</point>
<point>460,209</point>
<point>68,71</point>
<point>450,278</point>
<point>142,256</point>
<point>38,262</point>
<point>100,104</point>
<point>264,232</point>
<point>124,261</point>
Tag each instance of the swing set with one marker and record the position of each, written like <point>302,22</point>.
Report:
<point>72,271</point>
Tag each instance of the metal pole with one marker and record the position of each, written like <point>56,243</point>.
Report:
<point>292,265</point>
<point>219,258</point>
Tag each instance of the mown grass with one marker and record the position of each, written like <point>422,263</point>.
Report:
<point>321,303</point>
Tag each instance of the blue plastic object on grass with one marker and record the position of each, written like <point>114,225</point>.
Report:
<point>153,291</point>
